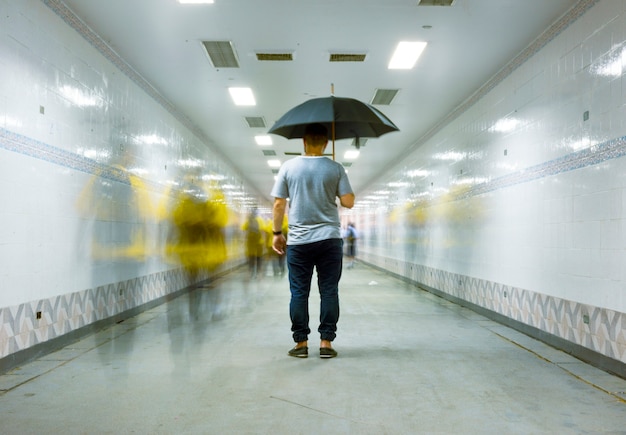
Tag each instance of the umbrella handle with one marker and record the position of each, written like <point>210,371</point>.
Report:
<point>332,92</point>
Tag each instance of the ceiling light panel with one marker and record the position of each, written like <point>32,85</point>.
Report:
<point>263,140</point>
<point>351,154</point>
<point>221,53</point>
<point>242,96</point>
<point>384,97</point>
<point>406,55</point>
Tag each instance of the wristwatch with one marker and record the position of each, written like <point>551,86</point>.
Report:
<point>277,233</point>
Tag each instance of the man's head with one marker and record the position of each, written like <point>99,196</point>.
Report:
<point>315,135</point>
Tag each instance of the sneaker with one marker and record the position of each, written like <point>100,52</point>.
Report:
<point>299,352</point>
<point>327,352</point>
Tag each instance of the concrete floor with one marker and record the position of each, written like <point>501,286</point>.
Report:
<point>216,362</point>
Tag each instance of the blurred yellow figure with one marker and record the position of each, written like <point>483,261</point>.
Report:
<point>255,236</point>
<point>197,240</point>
<point>103,202</point>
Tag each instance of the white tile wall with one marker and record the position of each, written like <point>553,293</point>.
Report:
<point>547,221</point>
<point>62,191</point>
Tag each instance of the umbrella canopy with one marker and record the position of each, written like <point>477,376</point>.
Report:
<point>352,119</point>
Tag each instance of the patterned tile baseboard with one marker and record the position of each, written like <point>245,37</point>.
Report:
<point>36,322</point>
<point>597,329</point>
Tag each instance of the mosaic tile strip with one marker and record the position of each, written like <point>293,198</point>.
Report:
<point>597,329</point>
<point>592,156</point>
<point>20,328</point>
<point>42,151</point>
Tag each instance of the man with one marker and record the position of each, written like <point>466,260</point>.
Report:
<point>312,183</point>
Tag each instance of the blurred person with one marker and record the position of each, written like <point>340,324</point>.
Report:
<point>312,183</point>
<point>351,237</point>
<point>255,243</point>
<point>196,240</point>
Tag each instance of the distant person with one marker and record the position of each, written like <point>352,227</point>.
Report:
<point>312,183</point>
<point>351,238</point>
<point>255,243</point>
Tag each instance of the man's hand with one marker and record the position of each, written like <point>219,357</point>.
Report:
<point>278,244</point>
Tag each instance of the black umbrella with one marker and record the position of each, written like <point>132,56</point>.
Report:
<point>344,117</point>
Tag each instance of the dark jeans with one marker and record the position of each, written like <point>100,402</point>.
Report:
<point>326,257</point>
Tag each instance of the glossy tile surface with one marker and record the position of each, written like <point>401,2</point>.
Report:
<point>216,362</point>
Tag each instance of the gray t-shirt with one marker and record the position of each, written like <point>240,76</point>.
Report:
<point>312,185</point>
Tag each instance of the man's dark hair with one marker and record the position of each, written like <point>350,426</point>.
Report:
<point>316,129</point>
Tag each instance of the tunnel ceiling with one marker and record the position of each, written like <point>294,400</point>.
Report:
<point>289,51</point>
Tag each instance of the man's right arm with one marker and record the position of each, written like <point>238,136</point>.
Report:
<point>347,200</point>
<point>278,214</point>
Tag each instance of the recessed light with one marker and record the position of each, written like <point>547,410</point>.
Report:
<point>273,163</point>
<point>406,55</point>
<point>351,154</point>
<point>242,96</point>
<point>263,140</point>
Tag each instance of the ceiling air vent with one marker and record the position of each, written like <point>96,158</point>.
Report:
<point>347,57</point>
<point>347,164</point>
<point>269,152</point>
<point>384,97</point>
<point>274,171</point>
<point>275,57</point>
<point>221,53</point>
<point>255,121</point>
<point>435,2</point>
<point>359,143</point>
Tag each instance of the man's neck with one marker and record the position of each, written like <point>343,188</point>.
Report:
<point>310,151</point>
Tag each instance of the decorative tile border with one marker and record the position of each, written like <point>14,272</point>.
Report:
<point>598,329</point>
<point>20,327</point>
<point>42,151</point>
<point>592,156</point>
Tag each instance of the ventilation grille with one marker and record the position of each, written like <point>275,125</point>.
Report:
<point>361,142</point>
<point>435,2</point>
<point>384,97</point>
<point>347,164</point>
<point>274,171</point>
<point>276,57</point>
<point>269,152</point>
<point>255,121</point>
<point>221,53</point>
<point>347,57</point>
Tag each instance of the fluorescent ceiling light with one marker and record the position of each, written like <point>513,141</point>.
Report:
<point>351,154</point>
<point>273,163</point>
<point>263,140</point>
<point>242,96</point>
<point>195,2</point>
<point>406,55</point>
